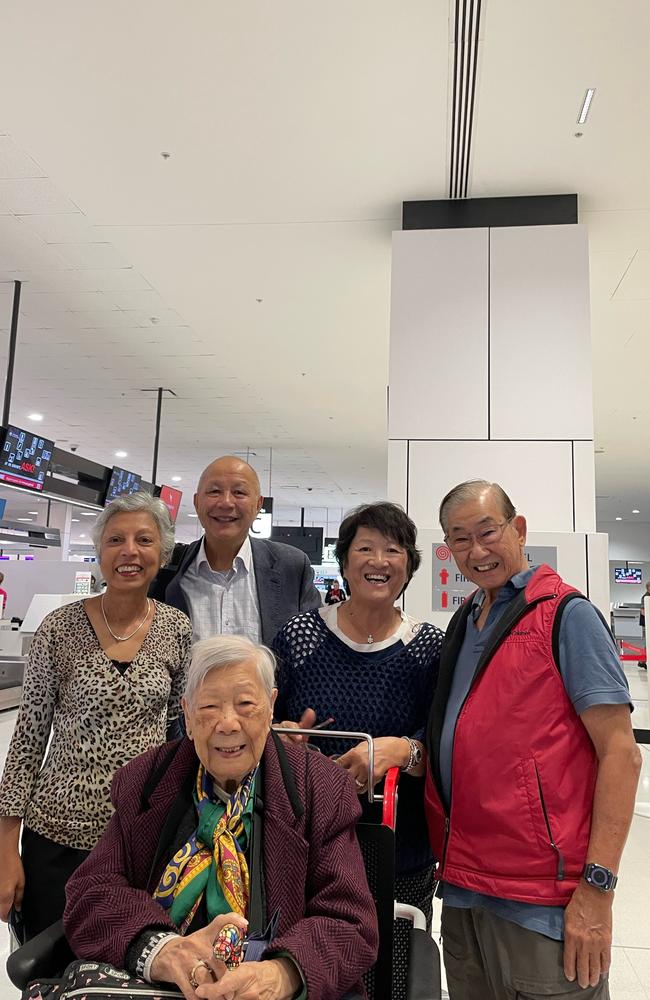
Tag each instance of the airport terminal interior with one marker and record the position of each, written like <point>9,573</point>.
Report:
<point>373,249</point>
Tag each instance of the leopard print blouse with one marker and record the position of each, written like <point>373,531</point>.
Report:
<point>99,719</point>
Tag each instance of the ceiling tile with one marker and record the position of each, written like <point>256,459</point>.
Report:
<point>14,162</point>
<point>72,227</point>
<point>33,196</point>
<point>102,255</point>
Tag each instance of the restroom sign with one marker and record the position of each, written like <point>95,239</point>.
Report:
<point>449,588</point>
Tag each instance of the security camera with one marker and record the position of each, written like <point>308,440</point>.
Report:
<point>73,447</point>
<point>309,489</point>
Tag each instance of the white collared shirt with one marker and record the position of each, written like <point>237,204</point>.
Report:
<point>223,602</point>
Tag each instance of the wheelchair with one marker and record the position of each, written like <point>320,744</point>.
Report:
<point>47,954</point>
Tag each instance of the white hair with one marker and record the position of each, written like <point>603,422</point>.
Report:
<point>138,503</point>
<point>225,651</point>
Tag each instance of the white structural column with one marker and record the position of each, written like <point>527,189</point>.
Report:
<point>490,377</point>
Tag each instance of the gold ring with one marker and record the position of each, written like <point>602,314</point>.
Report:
<point>192,976</point>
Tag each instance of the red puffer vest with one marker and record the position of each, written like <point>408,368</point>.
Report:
<point>523,769</point>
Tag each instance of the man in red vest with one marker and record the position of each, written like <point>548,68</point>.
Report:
<point>532,769</point>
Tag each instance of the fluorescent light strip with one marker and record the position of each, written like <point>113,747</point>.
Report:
<point>586,104</point>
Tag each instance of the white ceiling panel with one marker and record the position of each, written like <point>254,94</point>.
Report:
<point>33,196</point>
<point>71,228</point>
<point>14,162</point>
<point>635,283</point>
<point>98,255</point>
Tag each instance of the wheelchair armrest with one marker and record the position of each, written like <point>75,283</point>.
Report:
<point>43,957</point>
<point>423,980</point>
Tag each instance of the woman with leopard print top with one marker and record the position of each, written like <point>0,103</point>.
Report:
<point>105,678</point>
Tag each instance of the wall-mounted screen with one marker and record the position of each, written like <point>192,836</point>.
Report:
<point>25,458</point>
<point>308,540</point>
<point>172,500</point>
<point>624,575</point>
<point>121,484</point>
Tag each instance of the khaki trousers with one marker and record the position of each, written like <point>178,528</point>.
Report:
<point>488,958</point>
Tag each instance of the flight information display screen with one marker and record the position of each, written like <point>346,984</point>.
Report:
<point>172,500</point>
<point>25,458</point>
<point>122,482</point>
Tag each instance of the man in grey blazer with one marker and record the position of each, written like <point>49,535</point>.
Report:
<point>227,581</point>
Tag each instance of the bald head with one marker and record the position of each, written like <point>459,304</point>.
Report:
<point>227,500</point>
<point>231,465</point>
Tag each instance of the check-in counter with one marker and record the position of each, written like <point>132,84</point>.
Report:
<point>11,680</point>
<point>625,621</point>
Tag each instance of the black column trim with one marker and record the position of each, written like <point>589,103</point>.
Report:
<point>470,213</point>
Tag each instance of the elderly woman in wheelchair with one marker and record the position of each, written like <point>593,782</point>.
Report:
<point>226,847</point>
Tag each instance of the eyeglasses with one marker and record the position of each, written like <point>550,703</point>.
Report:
<point>488,535</point>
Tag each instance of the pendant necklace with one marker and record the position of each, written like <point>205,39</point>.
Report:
<point>123,638</point>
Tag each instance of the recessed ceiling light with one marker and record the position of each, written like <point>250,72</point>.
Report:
<point>34,416</point>
<point>82,536</point>
<point>121,454</point>
<point>87,513</point>
<point>619,518</point>
<point>35,512</point>
<point>192,515</point>
<point>75,519</point>
<point>586,104</point>
<point>24,519</point>
<point>176,479</point>
<point>635,511</point>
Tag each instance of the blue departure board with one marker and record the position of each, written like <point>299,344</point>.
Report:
<point>25,458</point>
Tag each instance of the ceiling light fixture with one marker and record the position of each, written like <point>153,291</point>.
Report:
<point>34,512</point>
<point>82,536</point>
<point>86,513</point>
<point>192,515</point>
<point>619,518</point>
<point>121,454</point>
<point>34,416</point>
<point>176,479</point>
<point>586,104</point>
<point>73,519</point>
<point>24,519</point>
<point>635,511</point>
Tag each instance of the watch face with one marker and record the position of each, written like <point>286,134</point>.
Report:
<point>600,877</point>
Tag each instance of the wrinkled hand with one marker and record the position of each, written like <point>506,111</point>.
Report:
<point>307,720</point>
<point>12,883</point>
<point>390,751</point>
<point>588,935</point>
<point>176,959</point>
<point>273,979</point>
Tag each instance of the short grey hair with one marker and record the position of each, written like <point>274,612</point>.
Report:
<point>138,503</point>
<point>226,651</point>
<point>471,490</point>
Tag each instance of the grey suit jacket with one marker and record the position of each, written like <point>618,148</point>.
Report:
<point>283,576</point>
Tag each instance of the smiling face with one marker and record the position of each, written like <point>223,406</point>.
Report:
<point>229,719</point>
<point>227,501</point>
<point>129,551</point>
<point>376,567</point>
<point>496,547</point>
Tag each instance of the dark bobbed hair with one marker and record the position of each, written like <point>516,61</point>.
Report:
<point>390,520</point>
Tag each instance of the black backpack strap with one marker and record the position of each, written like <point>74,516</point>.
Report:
<point>555,636</point>
<point>257,918</point>
<point>288,778</point>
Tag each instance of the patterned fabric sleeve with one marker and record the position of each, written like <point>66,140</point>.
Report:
<point>30,736</point>
<point>179,676</point>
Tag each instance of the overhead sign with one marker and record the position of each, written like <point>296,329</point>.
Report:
<point>261,526</point>
<point>449,588</point>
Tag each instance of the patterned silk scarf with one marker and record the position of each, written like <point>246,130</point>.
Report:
<point>212,862</point>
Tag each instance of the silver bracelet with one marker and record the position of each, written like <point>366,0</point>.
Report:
<point>415,755</point>
<point>149,952</point>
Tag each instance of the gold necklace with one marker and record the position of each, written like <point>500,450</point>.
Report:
<point>123,638</point>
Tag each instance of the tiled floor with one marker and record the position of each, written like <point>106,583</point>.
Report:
<point>630,975</point>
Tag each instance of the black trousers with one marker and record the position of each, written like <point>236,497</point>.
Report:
<point>48,866</point>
